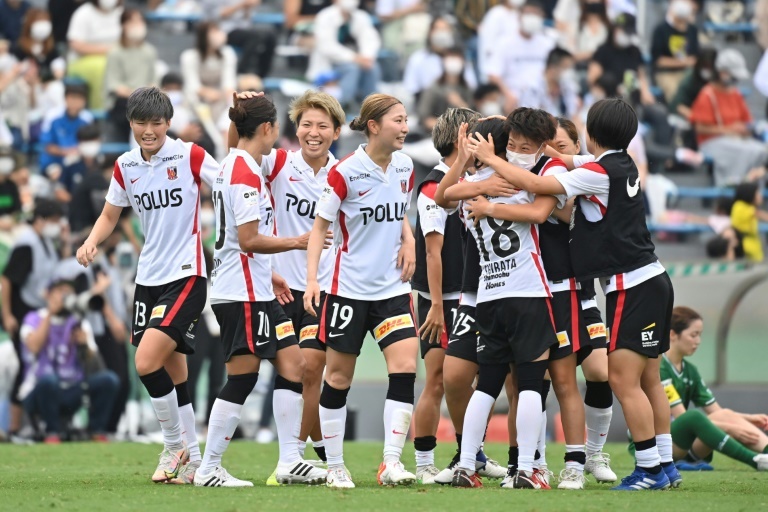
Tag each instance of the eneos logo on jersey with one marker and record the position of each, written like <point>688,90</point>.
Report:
<point>596,331</point>
<point>307,333</point>
<point>284,330</point>
<point>562,339</point>
<point>158,312</point>
<point>392,324</point>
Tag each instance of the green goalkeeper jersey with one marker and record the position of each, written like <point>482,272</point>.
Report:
<point>685,386</point>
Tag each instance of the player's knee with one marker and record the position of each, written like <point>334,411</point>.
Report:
<point>287,383</point>
<point>313,373</point>
<point>565,385</point>
<point>530,376</point>
<point>491,378</point>
<point>338,380</point>
<point>145,365</point>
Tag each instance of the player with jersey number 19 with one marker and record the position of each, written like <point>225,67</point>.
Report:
<point>253,325</point>
<point>368,195</point>
<point>161,180</point>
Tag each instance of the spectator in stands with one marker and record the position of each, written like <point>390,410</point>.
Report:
<point>425,66</point>
<point>185,124</point>
<point>726,243</point>
<point>674,47</point>
<point>17,81</point>
<point>130,65</point>
<point>12,14</point>
<point>722,121</point>
<point>93,31</point>
<point>557,91</point>
<point>745,217</point>
<point>209,69</point>
<point>450,90</point>
<point>30,269</point>
<point>621,57</point>
<point>61,14</point>
<point>522,55</point>
<point>59,132</point>
<point>488,100</point>
<point>36,42</point>
<point>693,82</point>
<point>10,200</point>
<point>583,25</point>
<point>470,14</point>
<point>404,25</point>
<point>255,42</point>
<point>89,196</point>
<point>300,20</point>
<point>59,356</point>
<point>499,21</point>
<point>89,151</point>
<point>346,42</point>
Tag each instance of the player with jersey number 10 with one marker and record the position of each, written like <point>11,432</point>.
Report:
<point>161,181</point>
<point>368,195</point>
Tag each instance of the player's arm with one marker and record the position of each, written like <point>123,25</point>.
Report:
<point>314,250</point>
<point>677,410</point>
<point>564,214</point>
<point>453,175</point>
<point>406,256</point>
<point>531,213</point>
<point>105,225</point>
<point>433,326</point>
<point>251,240</point>
<point>552,152</point>
<point>495,186</point>
<point>712,408</point>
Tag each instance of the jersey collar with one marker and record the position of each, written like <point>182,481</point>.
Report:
<point>169,146</point>
<point>369,165</point>
<point>442,166</point>
<point>609,152</point>
<point>302,166</point>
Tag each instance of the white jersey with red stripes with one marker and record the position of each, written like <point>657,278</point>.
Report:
<point>240,196</point>
<point>510,260</point>
<point>369,207</point>
<point>295,191</point>
<point>165,194</point>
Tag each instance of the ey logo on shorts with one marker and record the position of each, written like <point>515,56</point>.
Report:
<point>307,333</point>
<point>284,330</point>
<point>672,395</point>
<point>562,339</point>
<point>596,331</point>
<point>392,324</point>
<point>158,312</point>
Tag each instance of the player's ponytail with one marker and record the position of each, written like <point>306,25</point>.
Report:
<point>374,107</point>
<point>682,318</point>
<point>249,114</point>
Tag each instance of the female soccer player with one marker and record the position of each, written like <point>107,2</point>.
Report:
<point>253,325</point>
<point>296,179</point>
<point>617,248</point>
<point>368,194</point>
<point>160,180</point>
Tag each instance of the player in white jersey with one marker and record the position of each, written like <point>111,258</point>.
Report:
<point>253,324</point>
<point>514,318</point>
<point>296,179</point>
<point>368,195</point>
<point>161,180</point>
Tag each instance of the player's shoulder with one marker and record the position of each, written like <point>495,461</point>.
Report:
<point>129,159</point>
<point>553,166</point>
<point>348,165</point>
<point>245,171</point>
<point>402,161</point>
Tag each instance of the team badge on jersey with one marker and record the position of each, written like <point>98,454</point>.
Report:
<point>172,173</point>
<point>404,186</point>
<point>392,324</point>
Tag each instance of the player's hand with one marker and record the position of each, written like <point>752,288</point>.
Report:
<point>465,155</point>
<point>302,241</point>
<point>406,259</point>
<point>86,253</point>
<point>496,186</point>
<point>759,420</point>
<point>328,243</point>
<point>281,289</point>
<point>245,95</point>
<point>312,297</point>
<point>478,209</point>
<point>434,326</point>
<point>482,149</point>
<point>10,325</point>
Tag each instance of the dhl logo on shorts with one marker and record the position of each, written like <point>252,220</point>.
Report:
<point>157,312</point>
<point>284,330</point>
<point>562,339</point>
<point>596,331</point>
<point>307,333</point>
<point>392,324</point>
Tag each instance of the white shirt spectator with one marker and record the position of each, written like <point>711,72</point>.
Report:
<point>388,7</point>
<point>329,51</point>
<point>94,26</point>
<point>538,96</point>
<point>520,61</point>
<point>196,73</point>
<point>761,75</point>
<point>498,22</point>
<point>425,67</point>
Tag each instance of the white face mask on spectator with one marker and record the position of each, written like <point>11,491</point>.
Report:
<point>453,65</point>
<point>176,97</point>
<point>622,39</point>
<point>52,230</point>
<point>40,30</point>
<point>348,5</point>
<point>6,165</point>
<point>108,5</point>
<point>441,39</point>
<point>531,24</point>
<point>136,32</point>
<point>568,76</point>
<point>681,10</point>
<point>89,149</point>
<point>491,108</point>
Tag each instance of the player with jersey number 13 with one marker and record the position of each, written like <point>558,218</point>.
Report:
<point>368,195</point>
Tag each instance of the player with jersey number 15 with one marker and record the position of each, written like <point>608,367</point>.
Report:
<point>368,195</point>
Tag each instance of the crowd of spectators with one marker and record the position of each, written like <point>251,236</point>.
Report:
<point>68,66</point>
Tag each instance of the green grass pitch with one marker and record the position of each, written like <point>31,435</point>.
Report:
<point>115,477</point>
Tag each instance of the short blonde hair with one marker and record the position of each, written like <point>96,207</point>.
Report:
<point>320,101</point>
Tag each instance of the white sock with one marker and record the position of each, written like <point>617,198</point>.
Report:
<point>425,458</point>
<point>572,464</point>
<point>397,421</point>
<point>332,424</point>
<point>189,432</point>
<point>302,448</point>
<point>648,458</point>
<point>167,412</point>
<point>528,428</point>
<point>288,407</point>
<point>598,422</point>
<point>664,445</point>
<point>541,447</point>
<point>475,421</point>
<point>221,426</point>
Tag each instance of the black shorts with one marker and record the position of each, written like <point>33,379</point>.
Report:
<point>304,323</point>
<point>172,308</point>
<point>569,326</point>
<point>449,314</point>
<point>595,328</point>
<point>345,322</point>
<point>639,318</point>
<point>258,328</point>
<point>462,342</point>
<point>514,330</point>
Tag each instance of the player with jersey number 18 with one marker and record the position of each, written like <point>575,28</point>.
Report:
<point>161,181</point>
<point>368,195</point>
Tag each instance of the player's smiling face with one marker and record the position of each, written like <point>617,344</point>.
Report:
<point>393,127</point>
<point>316,133</point>
<point>564,144</point>
<point>150,135</point>
<point>690,339</point>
